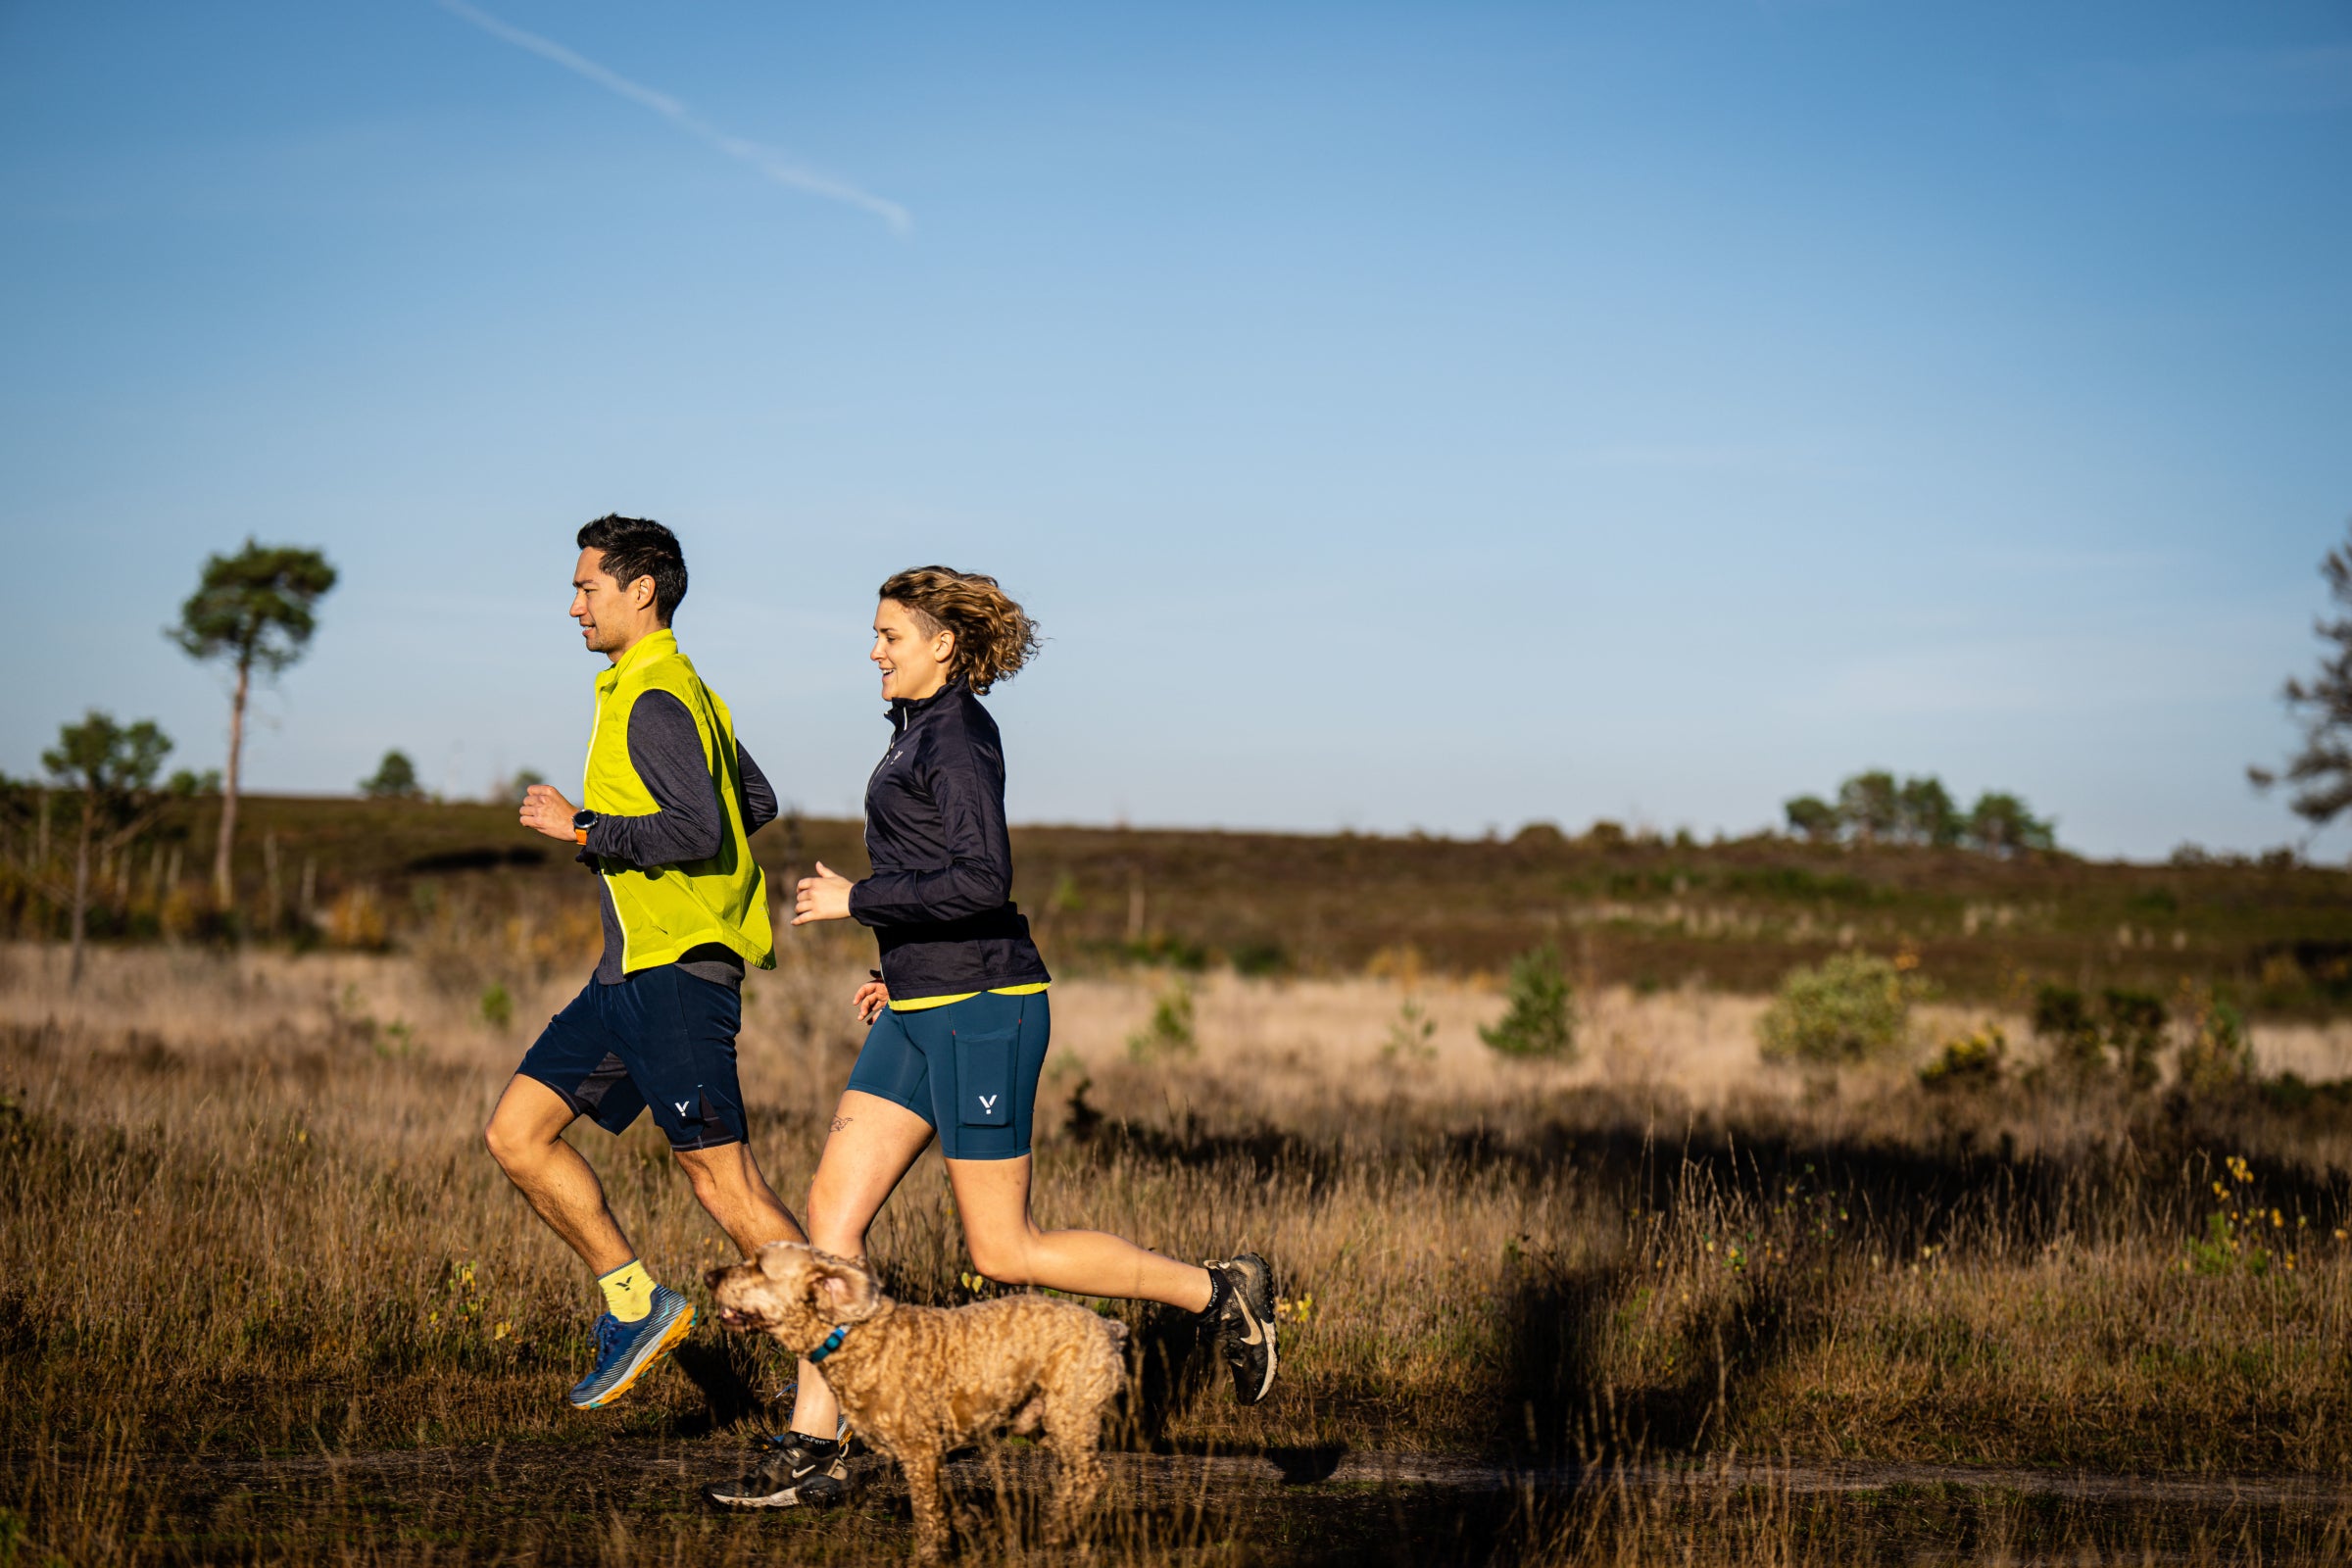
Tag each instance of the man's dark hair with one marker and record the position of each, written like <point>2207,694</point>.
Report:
<point>639,547</point>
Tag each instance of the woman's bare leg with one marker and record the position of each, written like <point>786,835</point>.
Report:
<point>873,1143</point>
<point>993,1197</point>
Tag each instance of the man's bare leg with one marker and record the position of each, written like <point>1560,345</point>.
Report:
<point>729,1186</point>
<point>525,1136</point>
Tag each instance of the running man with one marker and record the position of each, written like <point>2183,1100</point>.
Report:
<point>672,801</point>
<point>959,1019</point>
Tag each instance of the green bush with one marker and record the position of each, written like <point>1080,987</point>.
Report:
<point>1967,1061</point>
<point>498,1005</point>
<point>1409,1036</point>
<point>1537,1022</point>
<point>2123,1035</point>
<point>2136,1027</point>
<point>2219,1059</point>
<point>1170,1031</point>
<point>1259,959</point>
<point>1852,1008</point>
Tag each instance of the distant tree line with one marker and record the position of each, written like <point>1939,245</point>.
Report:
<point>1876,808</point>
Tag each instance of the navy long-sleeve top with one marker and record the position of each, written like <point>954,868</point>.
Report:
<point>666,751</point>
<point>940,897</point>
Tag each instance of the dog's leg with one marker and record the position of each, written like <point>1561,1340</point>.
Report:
<point>1073,1422</point>
<point>929,1504</point>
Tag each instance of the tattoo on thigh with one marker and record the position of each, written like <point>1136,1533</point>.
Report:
<point>839,1122</point>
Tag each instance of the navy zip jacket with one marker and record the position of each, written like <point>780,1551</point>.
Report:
<point>937,899</point>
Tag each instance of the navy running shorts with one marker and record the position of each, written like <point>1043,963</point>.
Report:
<point>659,1037</point>
<point>969,1069</point>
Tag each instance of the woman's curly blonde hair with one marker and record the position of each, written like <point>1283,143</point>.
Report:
<point>994,636</point>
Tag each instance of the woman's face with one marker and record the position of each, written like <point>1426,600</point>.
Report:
<point>913,664</point>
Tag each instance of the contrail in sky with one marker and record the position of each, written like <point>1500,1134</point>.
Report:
<point>771,164</point>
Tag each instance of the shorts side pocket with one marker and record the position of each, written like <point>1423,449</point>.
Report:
<point>984,1077</point>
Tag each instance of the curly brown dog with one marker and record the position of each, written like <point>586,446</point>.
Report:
<point>918,1381</point>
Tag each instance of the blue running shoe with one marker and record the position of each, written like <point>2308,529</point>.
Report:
<point>624,1352</point>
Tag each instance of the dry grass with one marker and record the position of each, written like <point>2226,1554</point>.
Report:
<point>244,1212</point>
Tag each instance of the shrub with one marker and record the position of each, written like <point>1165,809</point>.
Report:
<point>1170,1031</point>
<point>2062,1023</point>
<point>2136,1024</point>
<point>1409,1036</point>
<point>498,1005</point>
<point>1537,1022</point>
<point>356,921</point>
<point>1175,952</point>
<point>2123,1035</point>
<point>1853,1007</point>
<point>1967,1061</point>
<point>2218,1058</point>
<point>1261,960</point>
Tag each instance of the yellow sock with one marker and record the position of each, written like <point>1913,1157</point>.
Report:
<point>628,1292</point>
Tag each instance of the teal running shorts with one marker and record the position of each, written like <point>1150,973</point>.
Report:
<point>969,1069</point>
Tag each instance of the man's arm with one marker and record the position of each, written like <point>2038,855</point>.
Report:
<point>758,796</point>
<point>666,751</point>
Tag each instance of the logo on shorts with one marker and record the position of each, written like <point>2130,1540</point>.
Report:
<point>681,1104</point>
<point>988,1101</point>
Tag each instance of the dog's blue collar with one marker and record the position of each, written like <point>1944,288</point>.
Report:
<point>832,1344</point>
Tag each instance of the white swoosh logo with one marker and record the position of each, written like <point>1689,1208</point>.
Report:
<point>1256,1335</point>
<point>988,1101</point>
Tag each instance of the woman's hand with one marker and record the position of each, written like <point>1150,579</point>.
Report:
<point>871,998</point>
<point>822,897</point>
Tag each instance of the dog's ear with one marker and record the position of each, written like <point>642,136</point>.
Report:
<point>841,1289</point>
<point>780,1261</point>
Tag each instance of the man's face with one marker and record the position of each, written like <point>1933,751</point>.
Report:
<point>611,616</point>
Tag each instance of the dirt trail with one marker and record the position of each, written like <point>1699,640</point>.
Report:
<point>1187,1475</point>
<point>636,1504</point>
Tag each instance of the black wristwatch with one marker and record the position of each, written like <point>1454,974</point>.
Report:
<point>581,822</point>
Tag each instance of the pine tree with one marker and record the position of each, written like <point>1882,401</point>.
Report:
<point>2322,771</point>
<point>254,610</point>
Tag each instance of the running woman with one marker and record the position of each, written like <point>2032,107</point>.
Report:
<point>672,801</point>
<point>959,1019</point>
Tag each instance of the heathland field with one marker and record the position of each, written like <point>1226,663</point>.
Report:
<point>263,1297</point>
<point>461,884</point>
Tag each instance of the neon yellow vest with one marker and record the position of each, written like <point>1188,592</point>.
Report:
<point>667,909</point>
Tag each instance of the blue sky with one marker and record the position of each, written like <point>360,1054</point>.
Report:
<point>1437,417</point>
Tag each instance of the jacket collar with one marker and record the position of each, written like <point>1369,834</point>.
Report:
<point>905,711</point>
<point>663,643</point>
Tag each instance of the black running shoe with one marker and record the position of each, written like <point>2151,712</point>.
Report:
<point>797,1472</point>
<point>1244,1323</point>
